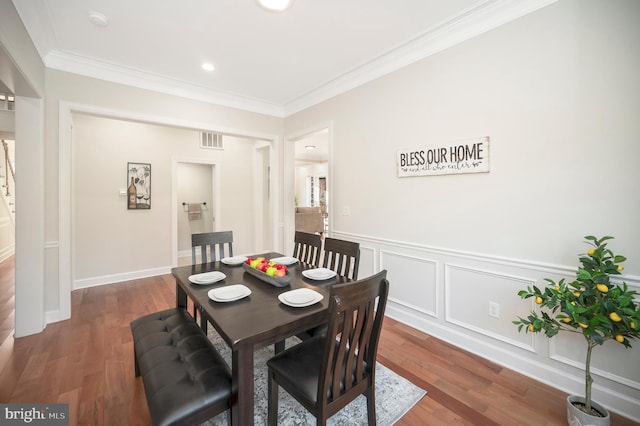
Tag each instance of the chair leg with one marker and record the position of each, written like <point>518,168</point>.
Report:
<point>272,391</point>
<point>278,346</point>
<point>371,406</point>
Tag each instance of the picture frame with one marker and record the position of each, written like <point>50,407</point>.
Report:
<point>138,186</point>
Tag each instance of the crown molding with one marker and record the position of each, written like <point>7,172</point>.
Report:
<point>466,25</point>
<point>482,17</point>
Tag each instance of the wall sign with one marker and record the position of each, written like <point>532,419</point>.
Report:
<point>468,156</point>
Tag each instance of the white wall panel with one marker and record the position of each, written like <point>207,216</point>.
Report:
<point>412,281</point>
<point>468,293</point>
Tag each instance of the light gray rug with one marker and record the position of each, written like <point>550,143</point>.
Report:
<point>394,395</point>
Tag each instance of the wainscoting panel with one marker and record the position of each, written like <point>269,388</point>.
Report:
<point>486,302</point>
<point>413,281</point>
<point>447,293</point>
<point>368,265</point>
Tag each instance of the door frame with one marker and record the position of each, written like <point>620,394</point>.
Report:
<point>289,166</point>
<point>66,110</point>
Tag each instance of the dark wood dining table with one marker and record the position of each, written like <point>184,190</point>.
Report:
<point>255,321</point>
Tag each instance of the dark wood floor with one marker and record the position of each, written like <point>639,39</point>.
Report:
<point>87,361</point>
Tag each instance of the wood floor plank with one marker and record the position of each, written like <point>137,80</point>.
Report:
<point>87,362</point>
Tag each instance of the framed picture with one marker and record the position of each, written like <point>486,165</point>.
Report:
<point>139,186</point>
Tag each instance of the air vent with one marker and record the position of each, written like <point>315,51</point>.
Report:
<point>211,140</point>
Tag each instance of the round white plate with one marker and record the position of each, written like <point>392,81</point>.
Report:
<point>207,277</point>
<point>235,260</point>
<point>300,297</point>
<point>319,273</point>
<point>285,260</point>
<point>229,293</point>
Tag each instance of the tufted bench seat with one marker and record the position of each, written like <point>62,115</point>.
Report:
<point>185,379</point>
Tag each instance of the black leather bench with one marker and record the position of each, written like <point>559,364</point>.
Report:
<point>186,381</point>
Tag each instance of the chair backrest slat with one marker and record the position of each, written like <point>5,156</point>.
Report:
<point>211,240</point>
<point>356,311</point>
<point>307,247</point>
<point>342,256</point>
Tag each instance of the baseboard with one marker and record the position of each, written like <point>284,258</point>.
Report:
<point>116,278</point>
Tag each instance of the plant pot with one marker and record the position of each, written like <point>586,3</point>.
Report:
<point>577,417</point>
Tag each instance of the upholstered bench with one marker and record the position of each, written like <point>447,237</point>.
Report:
<point>185,379</point>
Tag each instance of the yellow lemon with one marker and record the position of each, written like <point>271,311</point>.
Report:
<point>573,303</point>
<point>539,300</point>
<point>620,268</point>
<point>567,319</point>
<point>583,325</point>
<point>591,251</point>
<point>615,317</point>
<point>632,325</point>
<point>576,293</point>
<point>531,328</point>
<point>602,288</point>
<point>619,338</point>
<point>557,288</point>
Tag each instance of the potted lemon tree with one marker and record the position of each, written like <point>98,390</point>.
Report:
<point>589,305</point>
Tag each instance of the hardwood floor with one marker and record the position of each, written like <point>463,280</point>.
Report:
<point>87,361</point>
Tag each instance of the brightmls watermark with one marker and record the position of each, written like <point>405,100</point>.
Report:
<point>37,414</point>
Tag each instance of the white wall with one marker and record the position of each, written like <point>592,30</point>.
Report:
<point>557,93</point>
<point>110,240</point>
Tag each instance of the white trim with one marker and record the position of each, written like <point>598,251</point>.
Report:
<point>101,70</point>
<point>116,278</point>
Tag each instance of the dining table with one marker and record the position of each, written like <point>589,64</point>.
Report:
<point>254,321</point>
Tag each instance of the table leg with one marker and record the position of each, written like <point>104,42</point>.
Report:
<point>242,386</point>
<point>181,297</point>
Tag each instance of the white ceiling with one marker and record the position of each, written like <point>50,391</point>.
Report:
<point>273,63</point>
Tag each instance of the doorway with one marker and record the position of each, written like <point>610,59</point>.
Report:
<point>197,201</point>
<point>311,180</point>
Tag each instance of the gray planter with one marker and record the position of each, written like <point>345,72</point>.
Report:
<point>576,417</point>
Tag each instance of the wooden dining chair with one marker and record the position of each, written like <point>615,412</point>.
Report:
<point>326,373</point>
<point>211,240</point>
<point>307,247</point>
<point>342,256</point>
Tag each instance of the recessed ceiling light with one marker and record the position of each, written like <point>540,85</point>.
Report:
<point>208,67</point>
<point>98,19</point>
<point>275,5</point>
<point>310,147</point>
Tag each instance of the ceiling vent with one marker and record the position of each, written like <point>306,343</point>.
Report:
<point>211,140</point>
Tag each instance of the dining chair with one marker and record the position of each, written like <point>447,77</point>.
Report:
<point>342,256</point>
<point>325,373</point>
<point>307,247</point>
<point>212,240</point>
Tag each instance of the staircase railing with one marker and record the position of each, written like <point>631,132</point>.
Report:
<point>9,168</point>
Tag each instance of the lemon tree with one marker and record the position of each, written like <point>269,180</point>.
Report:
<point>590,305</point>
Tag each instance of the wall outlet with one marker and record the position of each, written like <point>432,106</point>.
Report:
<point>494,310</point>
<point>346,211</point>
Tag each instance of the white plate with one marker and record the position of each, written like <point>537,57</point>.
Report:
<point>235,260</point>
<point>207,277</point>
<point>285,260</point>
<point>319,273</point>
<point>229,293</point>
<point>300,297</point>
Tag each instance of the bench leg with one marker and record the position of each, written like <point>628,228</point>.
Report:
<point>135,362</point>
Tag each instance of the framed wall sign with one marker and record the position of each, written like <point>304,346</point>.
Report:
<point>467,156</point>
<point>139,186</point>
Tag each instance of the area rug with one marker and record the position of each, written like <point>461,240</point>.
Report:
<point>394,395</point>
